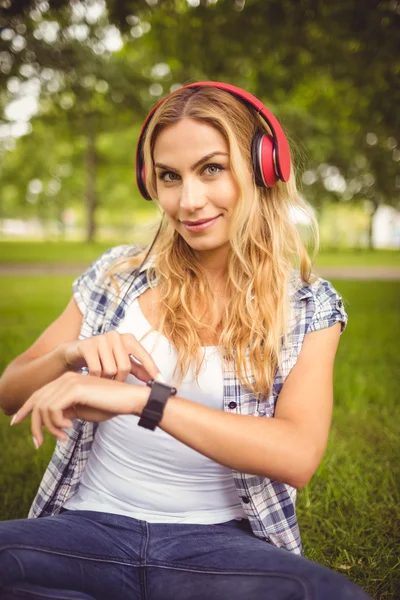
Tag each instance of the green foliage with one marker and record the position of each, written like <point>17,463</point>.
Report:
<point>328,70</point>
<point>55,156</point>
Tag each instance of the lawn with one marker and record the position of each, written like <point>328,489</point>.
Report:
<point>52,252</point>
<point>349,513</point>
<point>80,252</point>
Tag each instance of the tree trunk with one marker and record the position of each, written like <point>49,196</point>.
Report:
<point>90,188</point>
<point>371,220</point>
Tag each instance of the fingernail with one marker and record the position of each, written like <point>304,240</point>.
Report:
<point>160,378</point>
<point>35,442</point>
<point>14,419</point>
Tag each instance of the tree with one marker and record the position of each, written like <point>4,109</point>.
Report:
<point>328,70</point>
<point>96,89</point>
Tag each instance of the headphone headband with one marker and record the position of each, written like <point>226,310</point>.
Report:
<point>281,151</point>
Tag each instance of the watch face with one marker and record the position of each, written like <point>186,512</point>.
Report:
<point>164,386</point>
<point>159,383</point>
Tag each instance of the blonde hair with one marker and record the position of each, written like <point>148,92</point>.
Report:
<point>265,248</point>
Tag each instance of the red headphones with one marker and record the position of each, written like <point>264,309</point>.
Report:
<point>270,154</point>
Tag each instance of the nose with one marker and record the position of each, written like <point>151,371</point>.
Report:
<point>192,196</point>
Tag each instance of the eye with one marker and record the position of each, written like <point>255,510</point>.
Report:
<point>212,169</point>
<point>168,176</point>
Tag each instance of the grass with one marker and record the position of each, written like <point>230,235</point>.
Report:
<point>52,252</point>
<point>359,258</point>
<point>80,252</point>
<point>349,513</point>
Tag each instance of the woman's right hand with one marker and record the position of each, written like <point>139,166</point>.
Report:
<point>111,355</point>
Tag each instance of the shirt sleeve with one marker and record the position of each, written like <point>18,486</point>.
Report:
<point>86,288</point>
<point>329,308</point>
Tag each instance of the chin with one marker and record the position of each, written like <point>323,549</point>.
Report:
<point>205,244</point>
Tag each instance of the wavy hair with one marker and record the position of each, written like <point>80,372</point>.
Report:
<point>266,249</point>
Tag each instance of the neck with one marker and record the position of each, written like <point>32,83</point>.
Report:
<point>215,266</point>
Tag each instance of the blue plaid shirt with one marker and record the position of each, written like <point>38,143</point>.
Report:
<point>269,505</point>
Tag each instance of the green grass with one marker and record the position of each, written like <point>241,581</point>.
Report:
<point>359,258</point>
<point>349,513</point>
<point>27,306</point>
<point>52,252</point>
<point>80,252</point>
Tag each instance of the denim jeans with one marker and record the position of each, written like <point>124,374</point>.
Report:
<point>88,555</point>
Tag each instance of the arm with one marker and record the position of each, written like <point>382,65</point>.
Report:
<point>288,447</point>
<point>58,350</point>
<point>41,363</point>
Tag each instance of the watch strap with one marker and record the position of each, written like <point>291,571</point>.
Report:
<point>153,411</point>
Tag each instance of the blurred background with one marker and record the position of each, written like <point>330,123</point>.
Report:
<point>77,78</point>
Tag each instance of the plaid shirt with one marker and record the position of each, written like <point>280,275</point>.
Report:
<point>269,505</point>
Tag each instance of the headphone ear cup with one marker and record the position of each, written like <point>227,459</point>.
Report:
<point>141,180</point>
<point>262,155</point>
<point>143,176</point>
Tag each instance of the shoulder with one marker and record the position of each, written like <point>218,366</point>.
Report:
<point>112,257</point>
<point>319,302</point>
<point>92,286</point>
<point>116,254</point>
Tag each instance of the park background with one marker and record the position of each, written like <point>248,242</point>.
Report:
<point>76,81</point>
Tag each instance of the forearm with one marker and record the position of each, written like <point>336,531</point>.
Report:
<point>271,448</point>
<point>21,379</point>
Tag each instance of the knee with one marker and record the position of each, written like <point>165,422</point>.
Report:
<point>334,586</point>
<point>352,592</point>
<point>14,544</point>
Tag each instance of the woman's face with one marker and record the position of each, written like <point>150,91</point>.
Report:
<point>194,182</point>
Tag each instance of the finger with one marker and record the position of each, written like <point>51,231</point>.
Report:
<point>70,413</point>
<point>109,367</point>
<point>36,426</point>
<point>50,410</point>
<point>24,411</point>
<point>140,354</point>
<point>141,373</point>
<point>56,415</point>
<point>91,357</point>
<point>122,359</point>
<point>138,370</point>
<point>47,414</point>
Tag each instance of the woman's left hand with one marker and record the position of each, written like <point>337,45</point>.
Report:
<point>77,396</point>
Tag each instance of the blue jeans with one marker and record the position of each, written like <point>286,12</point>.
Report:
<point>88,555</point>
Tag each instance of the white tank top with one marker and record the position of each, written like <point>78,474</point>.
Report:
<point>149,475</point>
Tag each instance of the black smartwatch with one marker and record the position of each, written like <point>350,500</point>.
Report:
<point>153,411</point>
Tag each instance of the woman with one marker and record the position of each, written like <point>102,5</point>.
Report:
<point>199,500</point>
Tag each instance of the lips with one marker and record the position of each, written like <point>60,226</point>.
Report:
<point>200,222</point>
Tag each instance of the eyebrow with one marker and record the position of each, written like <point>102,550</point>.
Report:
<point>196,164</point>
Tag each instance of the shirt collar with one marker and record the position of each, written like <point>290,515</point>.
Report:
<point>296,287</point>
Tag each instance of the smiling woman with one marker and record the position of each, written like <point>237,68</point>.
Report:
<point>197,194</point>
<point>164,464</point>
